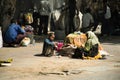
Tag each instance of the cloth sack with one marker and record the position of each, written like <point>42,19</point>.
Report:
<point>78,40</point>
<point>25,41</point>
<point>59,46</point>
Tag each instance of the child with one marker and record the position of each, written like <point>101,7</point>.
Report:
<point>49,45</point>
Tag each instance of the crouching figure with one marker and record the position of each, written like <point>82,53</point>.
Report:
<point>92,46</point>
<point>49,45</point>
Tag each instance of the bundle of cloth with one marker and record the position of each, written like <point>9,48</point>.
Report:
<point>92,48</point>
<point>71,43</point>
<point>76,39</point>
<point>85,46</point>
<point>67,50</point>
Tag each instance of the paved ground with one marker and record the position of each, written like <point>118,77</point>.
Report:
<point>28,65</point>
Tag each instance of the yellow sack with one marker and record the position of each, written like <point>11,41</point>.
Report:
<point>93,58</point>
<point>78,40</point>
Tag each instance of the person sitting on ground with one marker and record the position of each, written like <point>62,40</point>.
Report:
<point>28,31</point>
<point>92,45</point>
<point>14,34</point>
<point>92,48</point>
<point>49,45</point>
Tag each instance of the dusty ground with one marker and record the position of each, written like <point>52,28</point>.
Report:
<point>27,65</point>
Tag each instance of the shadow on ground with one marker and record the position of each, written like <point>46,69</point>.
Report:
<point>39,55</point>
<point>112,40</point>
